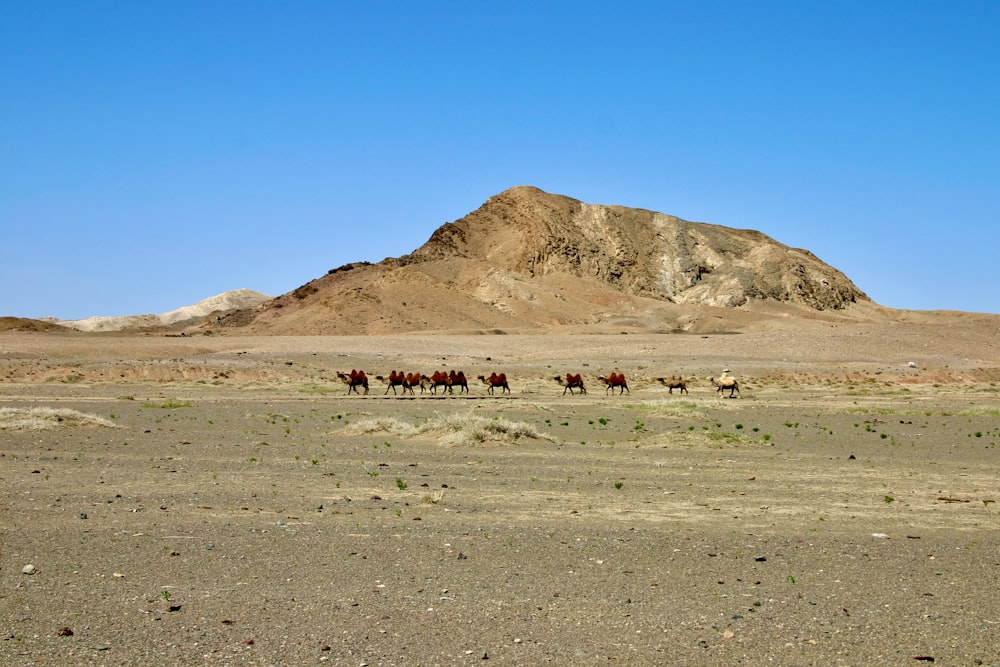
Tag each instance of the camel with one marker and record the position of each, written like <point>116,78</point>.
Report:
<point>458,380</point>
<point>726,382</point>
<point>415,380</point>
<point>672,383</point>
<point>494,381</point>
<point>435,380</point>
<point>397,380</point>
<point>353,380</point>
<point>615,380</point>
<point>571,382</point>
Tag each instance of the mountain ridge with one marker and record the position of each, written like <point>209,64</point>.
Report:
<point>184,316</point>
<point>531,261</point>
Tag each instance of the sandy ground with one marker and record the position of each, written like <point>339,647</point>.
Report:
<point>238,507</point>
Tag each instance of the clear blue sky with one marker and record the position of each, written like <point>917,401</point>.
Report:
<point>153,154</point>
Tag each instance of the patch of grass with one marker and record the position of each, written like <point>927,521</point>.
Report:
<point>384,425</point>
<point>874,410</point>
<point>455,429</point>
<point>471,428</point>
<point>168,404</point>
<point>667,408</point>
<point>980,411</point>
<point>45,419</point>
<point>321,389</point>
<point>721,436</point>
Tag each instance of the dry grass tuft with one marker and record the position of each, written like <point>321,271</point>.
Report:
<point>454,429</point>
<point>383,425</point>
<point>666,407</point>
<point>47,419</point>
<point>980,411</point>
<point>470,429</point>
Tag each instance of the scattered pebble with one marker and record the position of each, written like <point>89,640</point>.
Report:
<point>28,569</point>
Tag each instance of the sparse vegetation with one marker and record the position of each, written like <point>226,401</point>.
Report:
<point>455,429</point>
<point>45,419</point>
<point>168,404</point>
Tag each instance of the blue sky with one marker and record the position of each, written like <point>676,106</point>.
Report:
<point>153,154</point>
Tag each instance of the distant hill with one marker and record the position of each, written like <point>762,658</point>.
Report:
<point>530,261</point>
<point>24,324</point>
<point>214,306</point>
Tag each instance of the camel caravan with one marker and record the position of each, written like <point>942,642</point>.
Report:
<point>455,381</point>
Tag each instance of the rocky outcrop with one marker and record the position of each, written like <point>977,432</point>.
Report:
<point>527,260</point>
<point>639,253</point>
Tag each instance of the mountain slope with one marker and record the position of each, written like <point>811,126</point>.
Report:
<point>187,315</point>
<point>527,260</point>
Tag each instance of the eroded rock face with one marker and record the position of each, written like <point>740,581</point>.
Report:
<point>639,252</point>
<point>527,260</point>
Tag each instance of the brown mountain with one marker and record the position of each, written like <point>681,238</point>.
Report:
<point>530,261</point>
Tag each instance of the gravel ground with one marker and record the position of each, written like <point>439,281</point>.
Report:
<point>230,504</point>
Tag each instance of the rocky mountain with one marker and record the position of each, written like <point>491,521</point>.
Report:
<point>530,261</point>
<point>186,316</point>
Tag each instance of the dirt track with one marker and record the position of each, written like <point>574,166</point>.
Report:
<point>245,510</point>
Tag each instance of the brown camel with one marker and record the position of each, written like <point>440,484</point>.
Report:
<point>457,379</point>
<point>397,380</point>
<point>494,381</point>
<point>672,383</point>
<point>353,380</point>
<point>435,380</point>
<point>571,382</point>
<point>615,380</point>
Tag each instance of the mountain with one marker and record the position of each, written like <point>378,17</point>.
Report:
<point>28,325</point>
<point>185,316</point>
<point>530,261</point>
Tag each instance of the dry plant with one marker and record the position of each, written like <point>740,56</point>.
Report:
<point>391,425</point>
<point>469,428</point>
<point>456,429</point>
<point>665,407</point>
<point>433,498</point>
<point>46,419</point>
<point>980,411</point>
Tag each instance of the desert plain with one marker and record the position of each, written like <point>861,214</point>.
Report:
<point>222,500</point>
